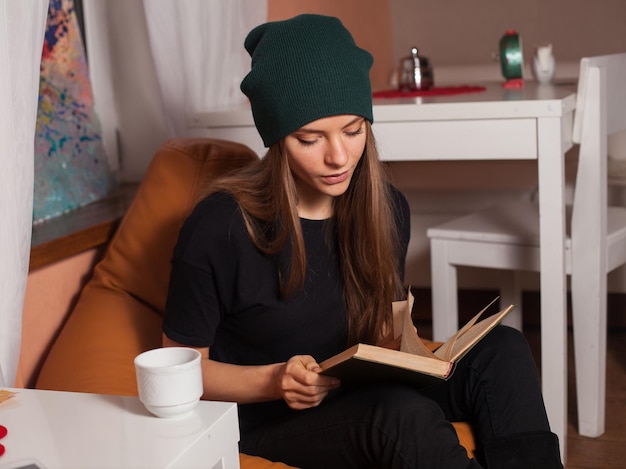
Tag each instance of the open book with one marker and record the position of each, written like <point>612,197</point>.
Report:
<point>414,363</point>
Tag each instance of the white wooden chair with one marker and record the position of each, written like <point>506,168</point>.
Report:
<point>506,236</point>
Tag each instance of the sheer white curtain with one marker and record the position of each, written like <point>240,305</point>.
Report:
<point>197,46</point>
<point>22,27</point>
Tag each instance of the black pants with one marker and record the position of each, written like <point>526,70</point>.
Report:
<point>495,386</point>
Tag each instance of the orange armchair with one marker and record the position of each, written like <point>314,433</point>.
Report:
<point>119,312</point>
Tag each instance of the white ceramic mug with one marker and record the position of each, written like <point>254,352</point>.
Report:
<point>169,380</point>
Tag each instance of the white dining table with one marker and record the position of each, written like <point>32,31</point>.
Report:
<point>530,123</point>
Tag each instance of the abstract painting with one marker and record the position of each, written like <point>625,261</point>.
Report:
<point>71,166</point>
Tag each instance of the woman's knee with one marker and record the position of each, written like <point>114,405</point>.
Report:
<point>505,342</point>
<point>505,336</point>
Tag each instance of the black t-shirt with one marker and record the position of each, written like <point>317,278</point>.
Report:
<point>224,293</point>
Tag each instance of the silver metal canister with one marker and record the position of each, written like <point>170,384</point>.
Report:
<point>415,73</point>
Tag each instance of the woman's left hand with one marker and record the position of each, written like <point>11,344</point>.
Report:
<point>300,384</point>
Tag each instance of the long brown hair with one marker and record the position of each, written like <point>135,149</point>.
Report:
<point>363,222</point>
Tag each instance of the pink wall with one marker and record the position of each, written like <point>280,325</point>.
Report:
<point>460,32</point>
<point>51,292</point>
<point>369,21</point>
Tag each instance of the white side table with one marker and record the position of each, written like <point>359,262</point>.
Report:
<point>78,430</point>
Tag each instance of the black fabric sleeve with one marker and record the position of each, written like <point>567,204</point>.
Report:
<point>402,214</point>
<point>207,244</point>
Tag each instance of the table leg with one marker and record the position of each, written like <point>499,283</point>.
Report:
<point>553,276</point>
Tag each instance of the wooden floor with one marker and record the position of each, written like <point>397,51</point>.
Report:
<point>609,450</point>
<point>605,452</point>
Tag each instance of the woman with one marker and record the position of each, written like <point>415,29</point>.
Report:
<point>291,260</point>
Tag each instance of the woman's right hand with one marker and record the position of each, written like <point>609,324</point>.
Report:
<point>297,381</point>
<point>300,384</point>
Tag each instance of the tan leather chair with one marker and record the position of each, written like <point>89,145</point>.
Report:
<point>119,312</point>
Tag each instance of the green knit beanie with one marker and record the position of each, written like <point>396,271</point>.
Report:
<point>303,69</point>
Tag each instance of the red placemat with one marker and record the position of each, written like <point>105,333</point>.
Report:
<point>442,91</point>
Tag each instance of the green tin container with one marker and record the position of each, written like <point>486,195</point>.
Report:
<point>511,55</point>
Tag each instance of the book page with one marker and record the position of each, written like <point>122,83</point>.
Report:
<point>398,308</point>
<point>411,342</point>
<point>464,342</point>
<point>445,351</point>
